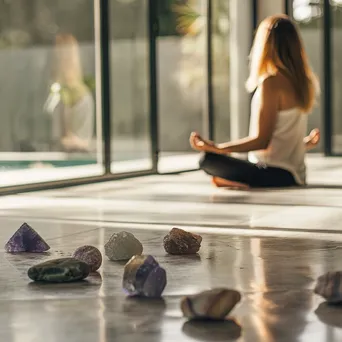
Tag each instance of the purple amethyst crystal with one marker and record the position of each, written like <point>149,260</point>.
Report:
<point>144,277</point>
<point>26,239</point>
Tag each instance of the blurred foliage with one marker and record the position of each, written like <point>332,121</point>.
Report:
<point>89,81</point>
<point>36,22</point>
<point>177,17</point>
<point>180,17</point>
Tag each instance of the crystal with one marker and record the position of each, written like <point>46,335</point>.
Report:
<point>179,242</point>
<point>90,255</point>
<point>214,304</point>
<point>123,246</point>
<point>63,270</point>
<point>26,239</point>
<point>144,277</point>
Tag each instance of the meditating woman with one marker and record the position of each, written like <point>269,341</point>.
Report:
<point>285,93</point>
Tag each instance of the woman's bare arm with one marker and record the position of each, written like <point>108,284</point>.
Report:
<point>267,120</point>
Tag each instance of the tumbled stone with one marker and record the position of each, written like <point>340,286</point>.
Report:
<point>179,242</point>
<point>210,330</point>
<point>90,255</point>
<point>59,271</point>
<point>26,239</point>
<point>329,286</point>
<point>123,246</point>
<point>214,304</point>
<point>144,277</point>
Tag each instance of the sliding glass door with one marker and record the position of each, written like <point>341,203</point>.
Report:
<point>309,17</point>
<point>130,86</point>
<point>48,96</point>
<point>220,51</point>
<point>182,80</point>
<point>320,22</point>
<point>336,75</point>
<point>114,94</point>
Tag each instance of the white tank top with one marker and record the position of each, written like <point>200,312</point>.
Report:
<point>286,149</point>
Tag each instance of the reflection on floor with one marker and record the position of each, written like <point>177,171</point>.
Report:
<point>271,246</point>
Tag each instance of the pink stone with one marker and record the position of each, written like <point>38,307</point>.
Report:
<point>90,255</point>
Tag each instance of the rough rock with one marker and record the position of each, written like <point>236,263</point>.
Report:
<point>329,286</point>
<point>144,277</point>
<point>59,271</point>
<point>90,255</point>
<point>26,239</point>
<point>180,242</point>
<point>123,246</point>
<point>214,304</point>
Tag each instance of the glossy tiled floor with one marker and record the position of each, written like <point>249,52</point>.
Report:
<point>270,245</point>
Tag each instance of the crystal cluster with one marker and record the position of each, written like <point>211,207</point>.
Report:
<point>123,246</point>
<point>214,304</point>
<point>63,270</point>
<point>144,277</point>
<point>180,242</point>
<point>90,255</point>
<point>26,239</point>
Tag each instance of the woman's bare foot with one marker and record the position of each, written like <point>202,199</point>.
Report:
<point>223,183</point>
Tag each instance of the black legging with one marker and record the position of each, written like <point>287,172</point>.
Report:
<point>242,171</point>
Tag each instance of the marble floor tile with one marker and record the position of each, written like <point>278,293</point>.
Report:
<point>270,245</point>
<point>275,277</point>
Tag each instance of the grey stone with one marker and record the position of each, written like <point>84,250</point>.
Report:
<point>123,246</point>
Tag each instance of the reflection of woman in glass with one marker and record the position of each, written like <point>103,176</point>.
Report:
<point>285,92</point>
<point>71,98</point>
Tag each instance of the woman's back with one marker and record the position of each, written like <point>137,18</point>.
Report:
<point>286,149</point>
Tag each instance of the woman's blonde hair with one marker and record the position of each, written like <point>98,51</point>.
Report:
<point>278,48</point>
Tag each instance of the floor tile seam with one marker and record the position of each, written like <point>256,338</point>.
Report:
<point>165,226</point>
<point>142,200</point>
<point>72,234</point>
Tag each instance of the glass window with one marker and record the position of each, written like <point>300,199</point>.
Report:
<point>220,69</point>
<point>336,71</point>
<point>130,86</point>
<point>48,117</point>
<point>309,17</point>
<point>182,80</point>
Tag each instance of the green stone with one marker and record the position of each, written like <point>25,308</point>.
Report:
<point>59,271</point>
